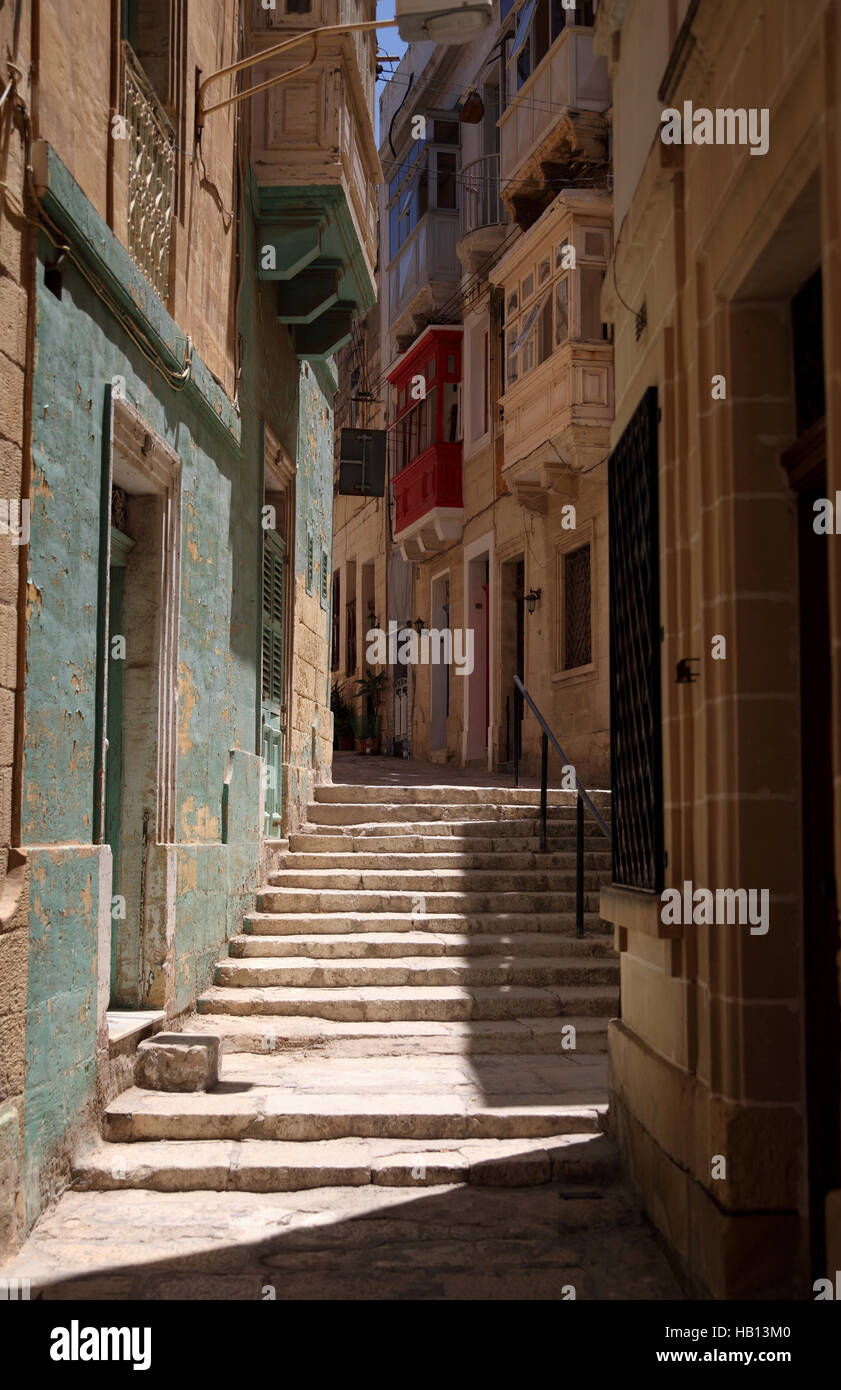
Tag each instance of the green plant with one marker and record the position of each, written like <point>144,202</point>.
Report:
<point>371,688</point>
<point>344,717</point>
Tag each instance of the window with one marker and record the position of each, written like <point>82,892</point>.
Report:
<point>591,314</point>
<point>545,345</point>
<point>437,417</point>
<point>577,643</point>
<point>309,563</point>
<point>511,356</point>
<point>486,365</point>
<point>561,310</point>
<point>539,24</point>
<point>520,340</point>
<point>634,606</point>
<point>325,577</point>
<point>335,624</point>
<point>425,180</point>
<point>350,637</point>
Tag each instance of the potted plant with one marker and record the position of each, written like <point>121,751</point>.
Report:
<point>371,688</point>
<point>344,719</point>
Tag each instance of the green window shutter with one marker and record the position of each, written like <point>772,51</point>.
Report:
<point>274,580</point>
<point>309,562</point>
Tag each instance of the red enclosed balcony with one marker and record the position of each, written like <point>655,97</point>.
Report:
<point>426,443</point>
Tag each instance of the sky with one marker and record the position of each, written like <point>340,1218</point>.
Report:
<point>389,42</point>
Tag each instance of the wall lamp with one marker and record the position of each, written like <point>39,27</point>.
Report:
<point>414,20</point>
<point>684,674</point>
<point>533,599</point>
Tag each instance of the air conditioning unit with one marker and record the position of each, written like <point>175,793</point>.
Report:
<point>419,20</point>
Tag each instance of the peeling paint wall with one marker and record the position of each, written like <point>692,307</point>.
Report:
<point>15,238</point>
<point>196,890</point>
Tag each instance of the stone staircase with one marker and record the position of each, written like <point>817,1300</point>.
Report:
<point>407,1006</point>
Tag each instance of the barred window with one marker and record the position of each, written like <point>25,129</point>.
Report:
<point>577,635</point>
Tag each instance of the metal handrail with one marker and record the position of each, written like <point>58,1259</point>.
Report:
<point>582,794</point>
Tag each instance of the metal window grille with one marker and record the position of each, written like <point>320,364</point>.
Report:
<point>577,635</point>
<point>635,721</point>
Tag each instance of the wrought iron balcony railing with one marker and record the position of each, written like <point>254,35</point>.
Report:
<point>151,175</point>
<point>481,204</point>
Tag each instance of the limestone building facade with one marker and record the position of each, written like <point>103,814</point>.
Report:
<point>723,289</point>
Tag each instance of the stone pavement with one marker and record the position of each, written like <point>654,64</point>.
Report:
<point>347,1244</point>
<point>357,769</point>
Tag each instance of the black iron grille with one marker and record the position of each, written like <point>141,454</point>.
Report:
<point>635,727</point>
<point>577,638</point>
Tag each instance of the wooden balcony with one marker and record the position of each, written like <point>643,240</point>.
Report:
<point>554,131</point>
<point>424,274</point>
<point>428,510</point>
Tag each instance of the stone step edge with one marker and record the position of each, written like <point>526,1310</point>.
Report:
<point>265,1165</point>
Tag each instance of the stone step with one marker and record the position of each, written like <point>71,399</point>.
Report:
<point>303,972</point>
<point>329,840</point>
<point>350,793</point>
<point>595,865</point>
<point>313,900</point>
<point>333,923</point>
<point>383,945</point>
<point>153,1115</point>
<point>379,813</point>
<point>271,1165</point>
<point>274,1034</point>
<point>433,880</point>
<point>442,1002</point>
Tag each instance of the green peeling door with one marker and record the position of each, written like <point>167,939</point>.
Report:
<point>273,705</point>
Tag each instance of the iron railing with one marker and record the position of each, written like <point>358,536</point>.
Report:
<point>582,795</point>
<point>151,175</point>
<point>481,204</point>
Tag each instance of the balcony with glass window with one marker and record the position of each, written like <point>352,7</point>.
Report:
<point>423,229</point>
<point>425,444</point>
<point>553,131</point>
<point>316,165</point>
<point>558,384</point>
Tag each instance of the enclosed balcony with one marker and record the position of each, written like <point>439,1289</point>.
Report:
<point>484,220</point>
<point>317,168</point>
<point>425,444</point>
<point>553,130</point>
<point>558,399</point>
<point>423,229</point>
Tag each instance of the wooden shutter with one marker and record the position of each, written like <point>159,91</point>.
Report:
<point>274,588</point>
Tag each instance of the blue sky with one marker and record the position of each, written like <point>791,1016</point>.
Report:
<point>388,42</point>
